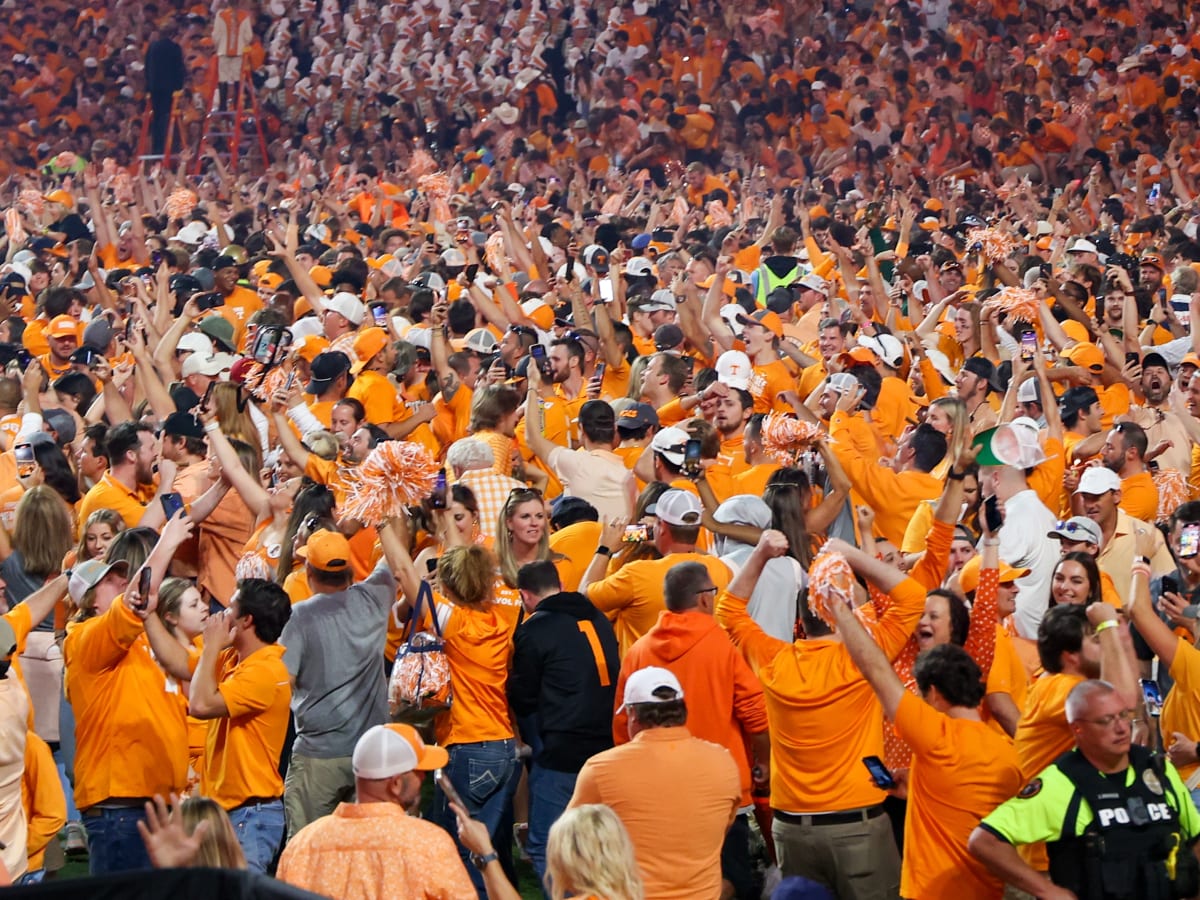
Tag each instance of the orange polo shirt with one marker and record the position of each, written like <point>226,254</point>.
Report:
<point>1139,496</point>
<point>241,753</point>
<point>660,779</point>
<point>379,398</point>
<point>824,715</point>
<point>632,597</point>
<point>108,493</point>
<point>130,723</point>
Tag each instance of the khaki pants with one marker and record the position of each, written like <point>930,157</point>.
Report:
<point>313,788</point>
<point>855,860</point>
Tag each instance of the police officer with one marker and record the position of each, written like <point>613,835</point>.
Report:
<point>1117,821</point>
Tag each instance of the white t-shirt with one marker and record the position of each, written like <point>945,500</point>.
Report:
<point>1024,545</point>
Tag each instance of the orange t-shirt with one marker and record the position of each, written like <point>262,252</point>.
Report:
<point>241,753</point>
<point>1139,496</point>
<point>478,648</point>
<point>961,771</point>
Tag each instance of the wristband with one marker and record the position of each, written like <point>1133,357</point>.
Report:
<point>991,542</point>
<point>956,476</point>
<point>210,427</point>
<point>1104,626</point>
<point>603,551</point>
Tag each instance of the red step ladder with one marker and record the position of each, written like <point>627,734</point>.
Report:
<point>175,133</point>
<point>232,128</point>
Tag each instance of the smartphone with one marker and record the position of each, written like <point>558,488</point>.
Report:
<point>128,326</point>
<point>443,781</point>
<point>437,499</point>
<point>991,512</point>
<point>635,534</point>
<point>691,457</point>
<point>1168,585</point>
<point>379,314</point>
<point>599,374</point>
<point>1155,192</point>
<point>143,588</point>
<point>1028,345</point>
<point>430,239</point>
<point>1153,697</point>
<point>538,353</point>
<point>87,356</point>
<point>210,300</point>
<point>291,379</point>
<point>1189,540</point>
<point>207,399</point>
<point>880,774</point>
<point>171,504</point>
<point>26,461</point>
<point>1132,359</point>
<point>431,565</point>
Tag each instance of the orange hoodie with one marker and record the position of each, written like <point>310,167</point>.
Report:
<point>724,699</point>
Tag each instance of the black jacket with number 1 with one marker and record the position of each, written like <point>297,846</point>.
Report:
<point>563,681</point>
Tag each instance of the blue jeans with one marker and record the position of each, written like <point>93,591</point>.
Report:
<point>484,774</point>
<point>114,844</point>
<point>36,877</point>
<point>549,794</point>
<point>259,828</point>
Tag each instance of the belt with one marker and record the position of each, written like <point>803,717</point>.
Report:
<point>116,803</point>
<point>256,801</point>
<point>834,818</point>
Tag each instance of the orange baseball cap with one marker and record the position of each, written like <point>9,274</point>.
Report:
<point>60,196</point>
<point>311,347</point>
<point>270,281</point>
<point>322,275</point>
<point>367,344</point>
<point>862,355</point>
<point>1085,354</point>
<point>968,576</point>
<point>1191,359</point>
<point>326,550</point>
<point>62,327</point>
<point>766,318</point>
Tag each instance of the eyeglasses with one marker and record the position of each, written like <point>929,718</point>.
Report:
<point>522,329</point>
<point>707,590</point>
<point>527,492</point>
<point>1125,715</point>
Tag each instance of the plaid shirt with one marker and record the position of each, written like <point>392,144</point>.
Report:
<point>491,491</point>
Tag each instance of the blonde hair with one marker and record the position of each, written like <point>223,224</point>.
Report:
<point>960,426</point>
<point>234,422</point>
<point>42,531</point>
<point>589,852</point>
<point>109,517</point>
<point>503,543</point>
<point>467,574</point>
<point>220,848</point>
<point>322,444</point>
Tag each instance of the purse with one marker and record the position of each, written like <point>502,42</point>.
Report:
<point>420,688</point>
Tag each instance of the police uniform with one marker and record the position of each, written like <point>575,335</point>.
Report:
<point>1115,837</point>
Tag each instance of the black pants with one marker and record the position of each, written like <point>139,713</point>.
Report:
<point>160,120</point>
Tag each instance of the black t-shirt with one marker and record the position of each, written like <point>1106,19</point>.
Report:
<point>72,226</point>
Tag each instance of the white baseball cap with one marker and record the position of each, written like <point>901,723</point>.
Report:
<point>1098,480</point>
<point>886,347</point>
<point>677,507</point>
<point>212,364</point>
<point>388,750</point>
<point>734,369</point>
<point>195,342</point>
<point>346,304</point>
<point>645,685</point>
<point>670,442</point>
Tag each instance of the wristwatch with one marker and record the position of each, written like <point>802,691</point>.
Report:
<point>481,862</point>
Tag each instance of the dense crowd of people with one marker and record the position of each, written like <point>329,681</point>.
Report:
<point>768,434</point>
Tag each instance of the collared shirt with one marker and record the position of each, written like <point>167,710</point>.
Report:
<point>374,850</point>
<point>108,493</point>
<point>598,476</point>
<point>663,777</point>
<point>491,490</point>
<point>1116,559</point>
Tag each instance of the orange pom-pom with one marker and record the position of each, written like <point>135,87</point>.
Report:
<point>995,244</point>
<point>434,185</point>
<point>1019,303</point>
<point>830,581</point>
<point>394,476</point>
<point>494,252</point>
<point>1173,491</point>
<point>180,203</point>
<point>786,437</point>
